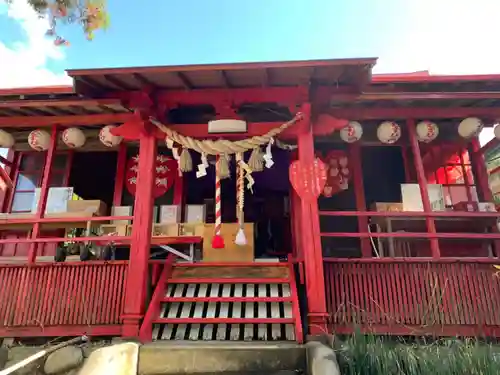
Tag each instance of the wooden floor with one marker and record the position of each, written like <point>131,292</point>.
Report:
<point>246,272</point>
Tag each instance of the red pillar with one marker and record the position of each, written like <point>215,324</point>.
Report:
<point>135,293</point>
<point>359,192</point>
<point>44,193</point>
<point>422,183</point>
<point>311,239</point>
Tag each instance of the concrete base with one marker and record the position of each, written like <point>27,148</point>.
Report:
<point>321,359</point>
<point>205,358</point>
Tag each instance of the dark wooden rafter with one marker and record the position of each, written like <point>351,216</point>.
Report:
<point>188,85</point>
<point>143,81</point>
<point>226,79</point>
<point>117,82</point>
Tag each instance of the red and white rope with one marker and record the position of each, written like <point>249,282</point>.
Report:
<point>218,213</point>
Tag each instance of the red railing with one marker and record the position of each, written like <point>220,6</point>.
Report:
<point>414,296</point>
<point>62,299</point>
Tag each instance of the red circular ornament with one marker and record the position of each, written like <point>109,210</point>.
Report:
<point>165,175</point>
<point>338,173</point>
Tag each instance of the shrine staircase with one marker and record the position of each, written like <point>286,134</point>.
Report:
<point>223,302</point>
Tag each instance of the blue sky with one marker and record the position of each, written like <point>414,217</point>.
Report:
<point>445,36</point>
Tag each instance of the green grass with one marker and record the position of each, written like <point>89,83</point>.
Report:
<point>374,355</point>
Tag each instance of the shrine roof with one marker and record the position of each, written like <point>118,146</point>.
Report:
<point>241,75</point>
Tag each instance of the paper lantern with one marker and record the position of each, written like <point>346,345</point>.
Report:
<point>73,138</point>
<point>470,127</point>
<point>107,138</point>
<point>388,132</point>
<point>496,131</point>
<point>352,132</point>
<point>427,131</point>
<point>6,139</point>
<point>39,140</point>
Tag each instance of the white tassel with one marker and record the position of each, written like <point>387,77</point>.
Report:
<point>240,239</point>
<point>268,156</point>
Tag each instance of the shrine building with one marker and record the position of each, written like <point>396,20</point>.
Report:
<point>240,202</point>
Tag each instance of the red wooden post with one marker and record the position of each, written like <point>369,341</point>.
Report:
<point>135,293</point>
<point>121,163</point>
<point>422,183</point>
<point>311,237</point>
<point>359,192</point>
<point>44,193</point>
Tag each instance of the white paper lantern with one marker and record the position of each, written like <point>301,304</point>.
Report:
<point>388,132</point>
<point>39,140</point>
<point>6,139</point>
<point>352,132</point>
<point>73,137</point>
<point>496,131</point>
<point>108,139</point>
<point>427,131</point>
<point>470,127</point>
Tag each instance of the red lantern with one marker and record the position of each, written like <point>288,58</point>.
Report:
<point>166,173</point>
<point>338,173</point>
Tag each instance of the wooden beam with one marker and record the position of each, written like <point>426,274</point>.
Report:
<point>117,82</point>
<point>58,103</point>
<point>185,81</point>
<point>416,96</point>
<point>416,113</point>
<point>35,121</point>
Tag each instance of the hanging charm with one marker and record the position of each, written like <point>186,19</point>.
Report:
<point>175,153</point>
<point>256,161</point>
<point>268,157</point>
<point>217,240</point>
<point>240,239</point>
<point>202,167</point>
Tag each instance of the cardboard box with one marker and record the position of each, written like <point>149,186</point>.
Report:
<point>195,213</point>
<point>169,230</point>
<point>170,214</point>
<point>96,207</point>
<point>121,211</point>
<point>387,207</point>
<point>192,229</point>
<point>118,229</point>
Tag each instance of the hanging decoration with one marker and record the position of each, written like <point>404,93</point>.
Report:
<point>91,15</point>
<point>337,173</point>
<point>165,175</point>
<point>107,138</point>
<point>240,239</point>
<point>222,150</point>
<point>352,132</point>
<point>6,139</point>
<point>39,140</point>
<point>73,137</point>
<point>427,131</point>
<point>224,147</point>
<point>218,240</point>
<point>308,180</point>
<point>470,127</point>
<point>388,132</point>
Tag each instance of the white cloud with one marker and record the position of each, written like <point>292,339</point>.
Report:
<point>25,63</point>
<point>445,37</point>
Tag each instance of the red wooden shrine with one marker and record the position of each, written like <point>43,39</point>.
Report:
<point>358,256</point>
